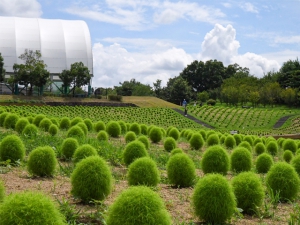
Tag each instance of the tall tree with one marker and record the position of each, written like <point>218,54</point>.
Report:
<point>81,75</point>
<point>2,70</point>
<point>289,74</point>
<point>66,77</point>
<point>157,88</point>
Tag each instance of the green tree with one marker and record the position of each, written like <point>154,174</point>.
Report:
<point>230,95</point>
<point>270,93</point>
<point>203,96</point>
<point>133,87</point>
<point>157,88</point>
<point>289,74</point>
<point>66,77</point>
<point>2,70</point>
<point>288,95</point>
<point>254,98</point>
<point>81,75</point>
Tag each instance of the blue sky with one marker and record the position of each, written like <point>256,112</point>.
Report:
<point>150,40</point>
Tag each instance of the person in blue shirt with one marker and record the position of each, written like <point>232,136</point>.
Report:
<point>184,103</point>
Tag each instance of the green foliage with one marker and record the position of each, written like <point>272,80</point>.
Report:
<point>138,205</point>
<point>65,123</point>
<point>241,160</point>
<point>29,207</point>
<point>134,150</point>
<point>143,171</point>
<point>212,139</point>
<point>91,179</point>
<point>122,125</point>
<point>76,120</point>
<point>249,139</point>
<point>169,144</point>
<point>68,147</point>
<point>213,199</point>
<point>42,161</point>
<point>174,133</point>
<point>229,142</point>
<point>296,163</point>
<point>282,179</point>
<point>181,170</point>
<point>238,138</point>
<point>176,151</point>
<point>155,134</point>
<point>89,124</point>
<point>196,141</point>
<point>45,124</point>
<point>113,129</point>
<point>37,119</point>
<point>2,118</point>
<point>136,128</point>
<point>290,144</point>
<point>83,127</point>
<point>21,124</point>
<point>259,148</point>
<point>130,136</point>
<point>115,98</point>
<point>145,141</point>
<point>102,135</point>
<point>249,191</point>
<point>203,134</point>
<point>287,155</point>
<point>2,191</point>
<point>100,125</point>
<point>30,130</point>
<point>84,151</point>
<point>76,132</point>
<point>215,160</point>
<point>144,129</point>
<point>53,129</point>
<point>264,163</point>
<point>272,148</point>
<point>12,148</point>
<point>10,121</point>
<point>211,102</point>
<point>246,144</point>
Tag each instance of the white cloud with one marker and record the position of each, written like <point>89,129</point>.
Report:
<point>24,8</point>
<point>248,7</point>
<point>282,56</point>
<point>287,40</point>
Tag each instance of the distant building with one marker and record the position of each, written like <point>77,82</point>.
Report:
<point>61,42</point>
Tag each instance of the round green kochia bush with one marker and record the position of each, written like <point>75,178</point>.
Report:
<point>280,141</point>
<point>213,199</point>
<point>37,119</point>
<point>10,121</point>
<point>102,135</point>
<point>203,134</point>
<point>84,151</point>
<point>176,151</point>
<point>196,141</point>
<point>12,148</point>
<point>168,130</point>
<point>249,191</point>
<point>174,133</point>
<point>30,130</point>
<point>138,205</point>
<point>21,124</point>
<point>238,138</point>
<point>2,191</point>
<point>76,120</point>
<point>123,126</point>
<point>55,121</point>
<point>249,139</point>
<point>222,139</point>
<point>130,136</point>
<point>113,129</point>
<point>91,179</point>
<point>263,163</point>
<point>245,144</point>
<point>229,142</point>
<point>68,147</point>
<point>45,124</point>
<point>42,161</point>
<point>83,127</point>
<point>241,160</point>
<point>282,179</point>
<point>144,129</point>
<point>257,140</point>
<point>2,118</point>
<point>143,171</point>
<point>65,123</point>
<point>134,150</point>
<point>169,144</point>
<point>215,160</point>
<point>212,139</point>
<point>53,129</point>
<point>272,147</point>
<point>289,144</point>
<point>287,155</point>
<point>100,125</point>
<point>144,139</point>
<point>296,163</point>
<point>181,170</point>
<point>155,134</point>
<point>259,148</point>
<point>89,124</point>
<point>76,132</point>
<point>29,207</point>
<point>136,128</point>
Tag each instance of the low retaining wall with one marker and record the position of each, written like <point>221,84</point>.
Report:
<point>111,104</point>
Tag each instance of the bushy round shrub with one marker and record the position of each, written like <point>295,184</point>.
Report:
<point>229,141</point>
<point>12,148</point>
<point>29,207</point>
<point>289,144</point>
<point>203,134</point>
<point>259,148</point>
<point>190,134</point>
<point>174,133</point>
<point>264,163</point>
<point>2,191</point>
<point>84,151</point>
<point>249,139</point>
<point>113,129</point>
<point>168,129</point>
<point>215,160</point>
<point>30,119</point>
<point>91,179</point>
<point>213,199</point>
<point>37,119</point>
<point>21,124</point>
<point>272,147</point>
<point>134,150</point>
<point>10,121</point>
<point>102,135</point>
<point>68,147</point>
<point>181,170</point>
<point>45,124</point>
<point>196,141</point>
<point>238,138</point>
<point>176,151</point>
<point>280,141</point>
<point>100,125</point>
<point>143,171</point>
<point>245,144</point>
<point>212,139</point>
<point>145,141</point>
<point>89,124</point>
<point>2,118</point>
<point>42,161</point>
<point>130,136</point>
<point>282,179</point>
<point>76,120</point>
<point>53,129</point>
<point>136,128</point>
<point>55,121</point>
<point>241,160</point>
<point>83,127</point>
<point>287,155</point>
<point>138,205</point>
<point>169,144</point>
<point>209,132</point>
<point>123,126</point>
<point>296,163</point>
<point>249,191</point>
<point>155,134</point>
<point>76,131</point>
<point>144,129</point>
<point>257,140</point>
<point>30,130</point>
<point>222,139</point>
<point>65,123</point>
